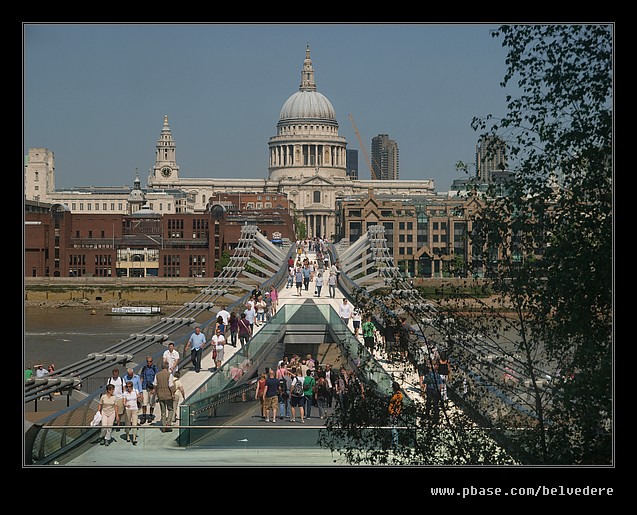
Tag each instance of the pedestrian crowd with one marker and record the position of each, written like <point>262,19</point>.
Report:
<point>298,386</point>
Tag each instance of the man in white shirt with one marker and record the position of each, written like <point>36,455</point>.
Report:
<point>171,356</point>
<point>345,311</point>
<point>223,313</point>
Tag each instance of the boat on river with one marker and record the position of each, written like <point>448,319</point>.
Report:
<point>135,310</point>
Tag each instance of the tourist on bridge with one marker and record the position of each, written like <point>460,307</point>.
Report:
<point>219,342</point>
<point>233,324</point>
<point>298,278</point>
<point>318,283</point>
<point>331,283</point>
<point>134,378</point>
<point>433,384</point>
<point>369,333</point>
<point>309,390</point>
<point>171,356</point>
<point>259,393</point>
<point>306,274</point>
<point>271,396</point>
<point>395,409</point>
<point>345,311</point>
<point>251,315</point>
<point>261,307</point>
<point>196,343</point>
<point>274,297</point>
<point>291,274</point>
<point>107,406</point>
<point>223,313</point>
<point>284,390</point>
<point>166,397</point>
<point>244,329</point>
<point>131,398</point>
<point>297,399</point>
<point>148,373</point>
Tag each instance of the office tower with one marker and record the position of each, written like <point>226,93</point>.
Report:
<point>351,165</point>
<point>490,158</point>
<point>385,157</point>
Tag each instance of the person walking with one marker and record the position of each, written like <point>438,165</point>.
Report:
<point>369,333</point>
<point>306,276</point>
<point>117,381</point>
<point>298,277</point>
<point>345,311</point>
<point>171,356</point>
<point>433,384</point>
<point>356,321</point>
<point>180,393</point>
<point>219,342</point>
<point>284,392</point>
<point>271,396</point>
<point>166,397</point>
<point>196,343</point>
<point>261,307</point>
<point>395,409</point>
<point>107,406</point>
<point>131,398</point>
<point>135,379</point>
<point>318,283</point>
<point>297,398</point>
<point>331,283</point>
<point>330,381</point>
<point>309,391</point>
<point>251,315</point>
<point>245,330</point>
<point>322,394</point>
<point>259,394</point>
<point>274,297</point>
<point>444,371</point>
<point>233,324</point>
<point>148,373</point>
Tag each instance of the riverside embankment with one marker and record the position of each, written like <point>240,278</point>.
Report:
<point>98,292</point>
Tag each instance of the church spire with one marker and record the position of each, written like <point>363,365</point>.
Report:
<point>307,73</point>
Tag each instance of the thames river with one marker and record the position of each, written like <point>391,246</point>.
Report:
<point>66,335</point>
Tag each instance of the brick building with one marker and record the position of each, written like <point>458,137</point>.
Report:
<point>59,243</point>
<point>426,234</point>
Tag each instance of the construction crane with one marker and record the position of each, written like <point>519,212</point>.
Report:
<point>360,142</point>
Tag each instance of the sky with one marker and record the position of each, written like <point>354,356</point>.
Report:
<point>96,94</point>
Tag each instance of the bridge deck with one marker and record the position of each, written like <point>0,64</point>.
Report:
<point>246,440</point>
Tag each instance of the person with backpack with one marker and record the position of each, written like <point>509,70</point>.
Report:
<point>147,374</point>
<point>297,398</point>
<point>120,386</point>
<point>284,392</point>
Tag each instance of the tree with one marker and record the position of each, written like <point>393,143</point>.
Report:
<point>538,353</point>
<point>552,232</point>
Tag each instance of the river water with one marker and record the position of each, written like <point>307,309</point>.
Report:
<point>66,335</point>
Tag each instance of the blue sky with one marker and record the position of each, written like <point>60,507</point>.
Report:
<point>96,94</point>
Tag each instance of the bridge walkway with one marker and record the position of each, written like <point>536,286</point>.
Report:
<point>243,437</point>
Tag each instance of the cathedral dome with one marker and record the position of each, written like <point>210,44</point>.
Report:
<point>307,105</point>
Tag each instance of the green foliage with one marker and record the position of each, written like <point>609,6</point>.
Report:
<point>223,260</point>
<point>559,135</point>
<point>543,341</point>
<point>299,228</point>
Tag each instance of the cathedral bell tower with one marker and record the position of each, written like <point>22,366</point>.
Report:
<point>166,171</point>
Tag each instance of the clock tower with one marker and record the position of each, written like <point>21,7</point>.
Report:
<point>166,171</point>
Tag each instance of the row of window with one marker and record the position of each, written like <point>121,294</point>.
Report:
<point>96,206</point>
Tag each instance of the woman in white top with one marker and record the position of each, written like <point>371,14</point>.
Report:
<point>180,393</point>
<point>131,396</point>
<point>318,283</point>
<point>107,406</point>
